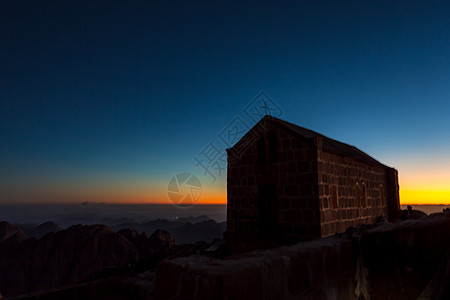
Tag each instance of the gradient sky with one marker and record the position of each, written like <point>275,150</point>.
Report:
<point>107,100</point>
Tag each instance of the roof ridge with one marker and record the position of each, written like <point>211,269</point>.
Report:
<point>329,145</point>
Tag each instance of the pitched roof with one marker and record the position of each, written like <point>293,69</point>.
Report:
<point>328,144</point>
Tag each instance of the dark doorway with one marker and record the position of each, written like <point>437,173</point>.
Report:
<point>262,151</point>
<point>267,209</point>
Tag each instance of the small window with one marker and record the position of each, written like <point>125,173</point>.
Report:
<point>364,195</point>
<point>273,148</point>
<point>262,151</point>
<point>381,195</point>
<point>334,196</point>
<point>358,195</point>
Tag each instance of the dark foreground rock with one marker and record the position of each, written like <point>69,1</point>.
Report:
<point>184,231</point>
<point>38,231</point>
<point>68,256</point>
<point>403,260</point>
<point>132,281</point>
<point>10,232</point>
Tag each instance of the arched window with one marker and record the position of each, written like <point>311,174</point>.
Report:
<point>334,196</point>
<point>364,195</point>
<point>262,151</point>
<point>358,195</point>
<point>273,148</point>
<point>381,195</point>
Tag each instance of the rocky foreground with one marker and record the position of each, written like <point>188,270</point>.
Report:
<point>45,257</point>
<point>401,260</point>
<point>407,259</point>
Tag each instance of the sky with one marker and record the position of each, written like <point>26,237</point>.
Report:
<point>108,101</point>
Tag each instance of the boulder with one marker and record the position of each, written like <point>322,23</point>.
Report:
<point>161,239</point>
<point>8,230</point>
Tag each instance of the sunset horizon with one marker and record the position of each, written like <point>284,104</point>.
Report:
<point>215,149</point>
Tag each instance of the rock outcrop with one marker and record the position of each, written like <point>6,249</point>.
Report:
<point>38,231</point>
<point>412,214</point>
<point>67,256</point>
<point>185,231</point>
<point>160,239</point>
<point>9,231</point>
<point>308,270</point>
<point>399,260</point>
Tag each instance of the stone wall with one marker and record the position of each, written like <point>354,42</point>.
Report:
<point>293,174</point>
<point>408,260</point>
<point>350,192</point>
<point>321,269</point>
<point>402,260</point>
<point>392,190</point>
<point>315,193</point>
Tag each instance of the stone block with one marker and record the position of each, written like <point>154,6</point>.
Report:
<point>309,216</point>
<point>325,203</point>
<point>312,203</point>
<point>315,267</point>
<point>298,203</point>
<point>168,275</point>
<point>291,190</point>
<point>306,189</point>
<point>284,203</point>
<point>282,156</point>
<point>303,166</point>
<point>286,143</point>
<point>293,216</point>
<point>299,155</point>
<point>331,262</point>
<point>298,274</point>
<point>292,167</point>
<point>287,227</point>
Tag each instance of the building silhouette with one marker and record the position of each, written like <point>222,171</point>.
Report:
<point>288,182</point>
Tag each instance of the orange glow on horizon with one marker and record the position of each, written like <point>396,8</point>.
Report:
<point>429,186</point>
<point>430,197</point>
<point>424,179</point>
<point>208,197</point>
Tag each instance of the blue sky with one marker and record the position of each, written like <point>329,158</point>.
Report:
<point>112,95</point>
